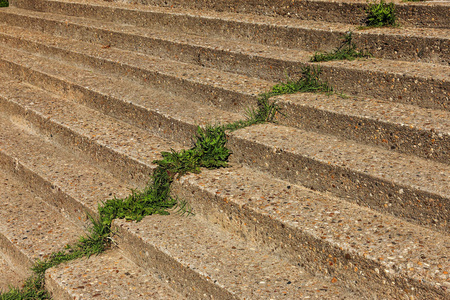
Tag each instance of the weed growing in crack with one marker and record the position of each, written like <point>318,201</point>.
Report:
<point>346,51</point>
<point>209,151</point>
<point>267,109</point>
<point>380,14</point>
<point>33,289</point>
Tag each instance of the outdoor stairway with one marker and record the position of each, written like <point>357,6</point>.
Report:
<point>346,196</point>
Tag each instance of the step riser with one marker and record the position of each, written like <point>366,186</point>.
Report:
<point>186,281</point>
<point>313,253</point>
<point>405,202</point>
<point>427,49</point>
<point>401,88</point>
<point>43,187</point>
<point>423,143</point>
<point>424,92</point>
<point>257,228</point>
<point>18,259</point>
<point>418,206</point>
<point>162,125</point>
<point>125,168</point>
<point>351,13</point>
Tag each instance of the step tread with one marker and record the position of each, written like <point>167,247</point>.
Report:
<point>109,275</point>
<point>250,274</point>
<point>271,20</point>
<point>31,226</point>
<point>88,123</point>
<point>421,68</point>
<point>152,100</point>
<point>63,169</point>
<point>8,276</point>
<point>383,111</point>
<point>429,176</point>
<point>399,247</point>
<point>239,83</point>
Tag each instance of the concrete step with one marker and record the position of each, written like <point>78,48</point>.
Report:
<point>385,176</point>
<point>250,178</point>
<point>396,126</point>
<point>424,134</point>
<point>9,277</point>
<point>397,81</point>
<point>411,44</point>
<point>101,139</point>
<point>30,229</point>
<point>39,163</point>
<point>218,264</point>
<point>431,14</point>
<point>66,181</point>
<point>380,256</point>
<point>404,185</point>
<point>109,275</point>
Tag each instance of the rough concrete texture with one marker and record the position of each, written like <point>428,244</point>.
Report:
<point>218,264</point>
<point>30,229</point>
<point>322,233</point>
<point>9,277</point>
<point>347,197</point>
<point>107,276</point>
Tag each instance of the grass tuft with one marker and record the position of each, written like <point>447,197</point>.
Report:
<point>4,3</point>
<point>381,14</point>
<point>346,51</point>
<point>33,289</point>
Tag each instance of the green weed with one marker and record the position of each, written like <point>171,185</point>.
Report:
<point>33,289</point>
<point>381,14</point>
<point>4,3</point>
<point>346,51</point>
<point>209,151</point>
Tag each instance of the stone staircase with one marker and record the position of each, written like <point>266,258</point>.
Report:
<point>342,198</point>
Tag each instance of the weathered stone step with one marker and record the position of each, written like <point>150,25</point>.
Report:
<point>53,169</point>
<point>405,128</point>
<point>420,14</point>
<point>421,194</point>
<point>426,85</point>
<point>30,229</point>
<point>144,107</point>
<point>218,264</point>
<point>159,37</point>
<point>100,138</point>
<point>378,255</point>
<point>109,275</point>
<point>407,186</point>
<point>61,178</point>
<point>9,277</point>
<point>423,132</point>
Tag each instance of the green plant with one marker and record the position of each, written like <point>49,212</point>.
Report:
<point>347,50</point>
<point>4,3</point>
<point>209,151</point>
<point>381,14</point>
<point>33,289</point>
